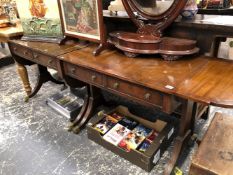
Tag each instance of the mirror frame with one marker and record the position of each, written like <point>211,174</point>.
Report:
<point>163,20</point>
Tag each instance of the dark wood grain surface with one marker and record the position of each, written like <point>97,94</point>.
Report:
<point>227,11</point>
<point>212,84</point>
<point>203,79</point>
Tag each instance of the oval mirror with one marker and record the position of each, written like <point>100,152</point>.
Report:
<point>153,7</point>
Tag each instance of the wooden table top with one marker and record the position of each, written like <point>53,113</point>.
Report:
<point>198,20</point>
<point>50,48</point>
<point>208,20</point>
<point>8,32</point>
<point>202,79</point>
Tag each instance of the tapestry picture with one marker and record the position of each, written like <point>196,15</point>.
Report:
<point>81,18</point>
<point>40,18</point>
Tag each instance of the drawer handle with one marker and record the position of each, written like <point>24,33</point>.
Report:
<point>93,77</point>
<point>73,70</point>
<point>15,49</point>
<point>50,61</point>
<point>147,96</point>
<point>25,52</point>
<point>116,85</point>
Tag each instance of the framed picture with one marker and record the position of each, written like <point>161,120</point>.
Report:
<point>40,20</point>
<point>83,19</point>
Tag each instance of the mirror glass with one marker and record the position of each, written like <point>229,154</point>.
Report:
<point>153,7</point>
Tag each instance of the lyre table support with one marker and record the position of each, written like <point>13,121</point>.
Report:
<point>43,77</point>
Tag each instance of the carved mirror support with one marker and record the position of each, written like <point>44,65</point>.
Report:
<point>152,17</point>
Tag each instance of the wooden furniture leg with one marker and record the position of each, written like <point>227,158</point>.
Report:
<point>100,48</point>
<point>93,102</point>
<point>22,71</point>
<point>81,114</point>
<point>74,84</point>
<point>43,77</point>
<point>3,45</point>
<point>215,46</point>
<point>184,134</point>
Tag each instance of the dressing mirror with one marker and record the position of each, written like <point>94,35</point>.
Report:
<point>151,17</point>
<point>153,7</point>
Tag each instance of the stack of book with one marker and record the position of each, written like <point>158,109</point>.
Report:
<point>66,103</point>
<point>125,133</point>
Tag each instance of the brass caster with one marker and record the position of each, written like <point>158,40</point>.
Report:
<point>70,127</point>
<point>177,171</point>
<point>76,130</point>
<point>26,99</point>
<point>193,140</point>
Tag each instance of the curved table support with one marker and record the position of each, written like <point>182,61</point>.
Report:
<point>184,134</point>
<point>43,77</point>
<point>81,114</point>
<point>100,48</point>
<point>74,83</point>
<point>93,102</point>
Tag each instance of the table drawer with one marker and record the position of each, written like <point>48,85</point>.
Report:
<point>136,91</point>
<point>84,74</point>
<point>22,52</point>
<point>45,60</point>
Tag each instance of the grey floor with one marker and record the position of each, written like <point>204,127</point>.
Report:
<point>34,140</point>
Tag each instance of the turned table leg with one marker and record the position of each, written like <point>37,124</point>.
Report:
<point>22,71</point>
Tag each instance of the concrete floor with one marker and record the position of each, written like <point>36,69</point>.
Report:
<point>34,141</point>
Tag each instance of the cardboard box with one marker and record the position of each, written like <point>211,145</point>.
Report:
<point>150,157</point>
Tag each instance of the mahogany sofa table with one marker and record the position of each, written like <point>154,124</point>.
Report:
<point>150,81</point>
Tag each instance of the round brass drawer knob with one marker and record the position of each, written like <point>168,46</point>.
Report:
<point>147,96</point>
<point>116,85</point>
<point>73,70</point>
<point>50,61</point>
<point>93,77</point>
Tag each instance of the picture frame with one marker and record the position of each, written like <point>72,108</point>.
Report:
<point>40,20</point>
<point>83,19</point>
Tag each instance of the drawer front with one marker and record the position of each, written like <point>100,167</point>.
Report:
<point>83,74</point>
<point>138,92</point>
<point>45,60</point>
<point>22,52</point>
